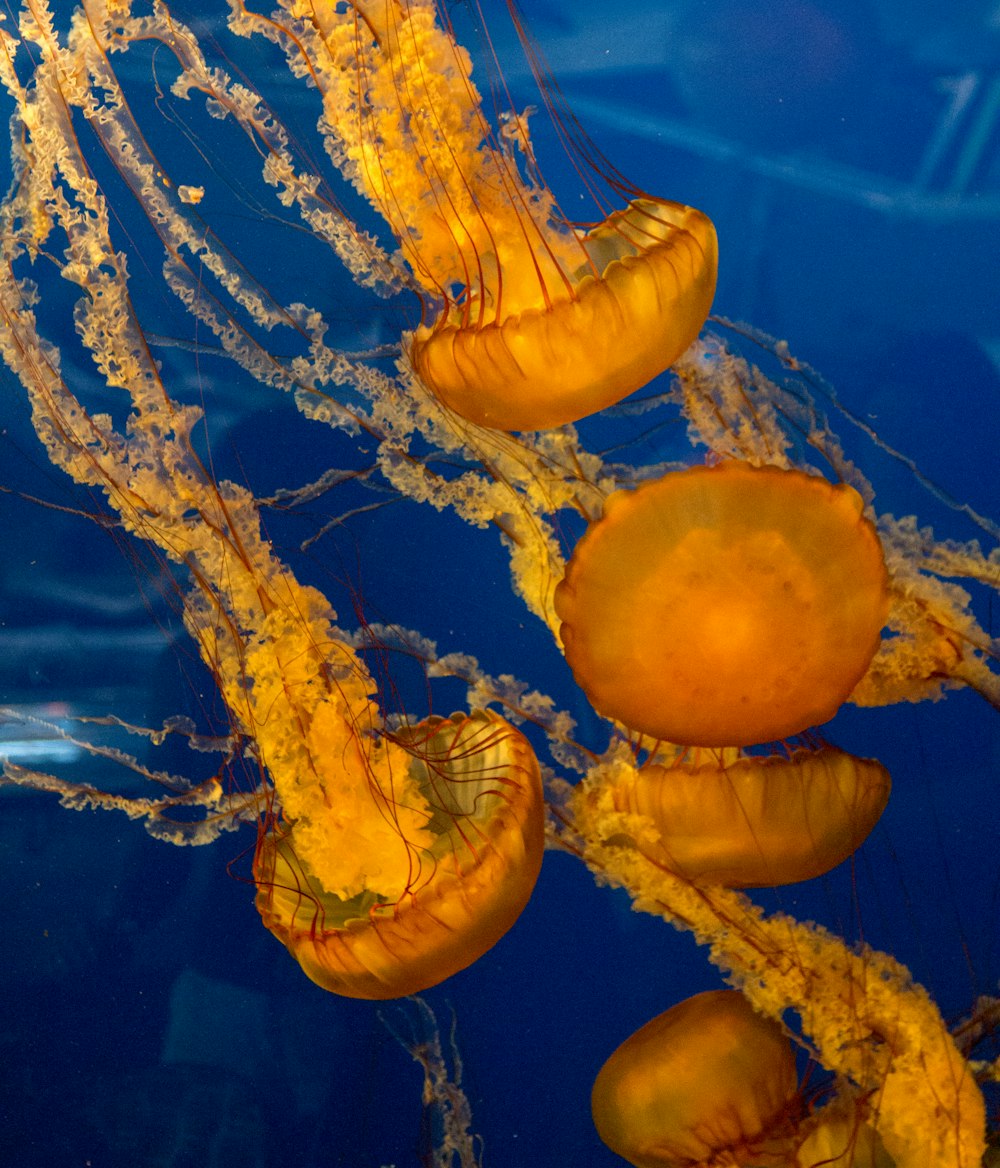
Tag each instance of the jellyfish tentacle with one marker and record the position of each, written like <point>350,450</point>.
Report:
<point>362,818</point>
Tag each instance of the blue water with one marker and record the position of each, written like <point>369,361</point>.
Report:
<point>848,154</point>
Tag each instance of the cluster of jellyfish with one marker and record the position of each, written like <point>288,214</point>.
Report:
<point>713,615</point>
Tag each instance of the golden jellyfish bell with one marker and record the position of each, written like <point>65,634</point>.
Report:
<point>637,300</point>
<point>724,606</point>
<point>480,780</point>
<point>752,822</point>
<point>838,1134</point>
<point>707,1082</point>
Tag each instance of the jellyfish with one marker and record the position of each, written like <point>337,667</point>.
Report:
<point>723,606</point>
<point>862,1015</point>
<point>707,1081</point>
<point>745,821</point>
<point>480,779</point>
<point>711,1081</point>
<point>534,323</point>
<point>332,765</point>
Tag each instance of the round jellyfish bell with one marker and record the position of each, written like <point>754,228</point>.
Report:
<point>572,345</point>
<point>481,782</point>
<point>724,606</point>
<point>752,822</point>
<point>707,1082</point>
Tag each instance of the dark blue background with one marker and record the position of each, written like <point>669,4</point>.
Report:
<point>848,153</point>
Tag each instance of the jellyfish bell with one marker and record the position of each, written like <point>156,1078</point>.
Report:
<point>710,1082</point>
<point>707,1082</point>
<point>839,1134</point>
<point>445,896</point>
<point>636,301</point>
<point>724,606</point>
<point>532,323</point>
<point>742,821</point>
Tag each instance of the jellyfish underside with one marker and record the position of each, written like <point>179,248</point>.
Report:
<point>535,323</point>
<point>467,884</point>
<point>724,606</point>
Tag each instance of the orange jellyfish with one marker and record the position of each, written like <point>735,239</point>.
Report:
<point>362,819</point>
<point>724,606</point>
<point>535,323</point>
<point>707,1082</point>
<point>712,1082</point>
<point>722,817</point>
<point>472,873</point>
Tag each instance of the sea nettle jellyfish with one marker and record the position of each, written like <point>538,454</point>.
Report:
<point>384,923</point>
<point>709,1082</point>
<point>369,824</point>
<point>723,606</point>
<point>752,821</point>
<point>706,1082</point>
<point>533,322</point>
<point>861,1016</point>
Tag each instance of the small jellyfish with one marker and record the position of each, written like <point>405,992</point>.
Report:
<point>742,821</point>
<point>711,1083</point>
<point>707,1082</point>
<point>470,786</point>
<point>724,606</point>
